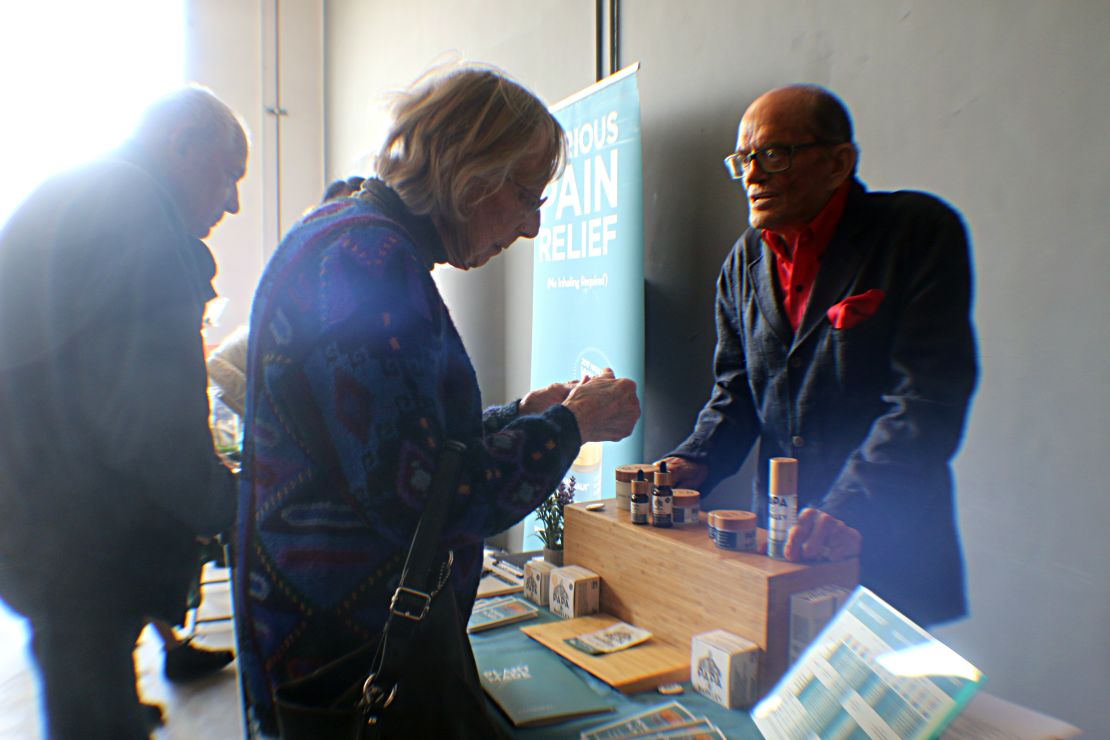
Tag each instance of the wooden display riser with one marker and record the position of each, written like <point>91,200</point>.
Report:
<point>677,583</point>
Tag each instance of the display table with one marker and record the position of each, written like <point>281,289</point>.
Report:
<point>985,714</point>
<point>677,583</point>
<point>734,723</point>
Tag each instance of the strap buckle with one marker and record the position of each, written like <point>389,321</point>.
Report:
<point>375,699</point>
<point>410,603</point>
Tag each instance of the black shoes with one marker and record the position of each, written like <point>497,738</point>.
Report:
<point>187,663</point>
<point>152,716</point>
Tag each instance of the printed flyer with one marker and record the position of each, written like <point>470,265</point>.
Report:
<point>870,673</point>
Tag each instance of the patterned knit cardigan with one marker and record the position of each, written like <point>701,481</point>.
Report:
<point>355,360</point>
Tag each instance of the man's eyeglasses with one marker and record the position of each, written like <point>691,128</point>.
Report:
<point>772,159</point>
<point>527,198</point>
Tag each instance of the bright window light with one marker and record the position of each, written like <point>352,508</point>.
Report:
<point>75,75</point>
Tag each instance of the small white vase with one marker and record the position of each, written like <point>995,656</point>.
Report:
<point>555,557</point>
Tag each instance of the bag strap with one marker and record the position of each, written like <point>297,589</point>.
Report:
<point>412,601</point>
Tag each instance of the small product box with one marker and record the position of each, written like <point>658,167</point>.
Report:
<point>725,668</point>
<point>537,580</point>
<point>810,611</point>
<point>573,592</point>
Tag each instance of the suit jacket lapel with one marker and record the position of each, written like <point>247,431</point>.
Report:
<point>839,267</point>
<point>761,266</point>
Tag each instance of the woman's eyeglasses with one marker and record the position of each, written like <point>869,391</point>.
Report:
<point>527,198</point>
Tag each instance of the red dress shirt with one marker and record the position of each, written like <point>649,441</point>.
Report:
<point>798,254</point>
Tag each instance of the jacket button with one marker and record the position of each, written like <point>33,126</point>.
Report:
<point>797,440</point>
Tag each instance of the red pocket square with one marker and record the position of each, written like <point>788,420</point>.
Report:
<point>856,309</point>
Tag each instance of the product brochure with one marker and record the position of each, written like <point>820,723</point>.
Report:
<point>700,730</point>
<point>533,686</point>
<point>495,584</point>
<point>497,612</point>
<point>502,573</point>
<point>609,640</point>
<point>661,719</point>
<point>871,672</point>
<point>987,716</point>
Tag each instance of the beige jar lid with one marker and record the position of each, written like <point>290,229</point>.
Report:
<point>627,473</point>
<point>731,520</point>
<point>685,497</point>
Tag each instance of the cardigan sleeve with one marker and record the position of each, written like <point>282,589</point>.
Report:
<point>496,418</point>
<point>389,381</point>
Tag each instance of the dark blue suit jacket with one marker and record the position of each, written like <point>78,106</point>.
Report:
<point>874,412</point>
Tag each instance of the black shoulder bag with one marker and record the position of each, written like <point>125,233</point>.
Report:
<point>418,680</point>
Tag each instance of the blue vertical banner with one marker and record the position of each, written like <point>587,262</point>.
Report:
<point>588,274</point>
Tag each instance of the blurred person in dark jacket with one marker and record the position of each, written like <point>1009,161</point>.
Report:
<point>107,469</point>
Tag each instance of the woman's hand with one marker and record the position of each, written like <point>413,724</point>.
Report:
<point>606,407</point>
<point>541,399</point>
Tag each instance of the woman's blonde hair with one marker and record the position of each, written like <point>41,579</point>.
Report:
<point>457,137</point>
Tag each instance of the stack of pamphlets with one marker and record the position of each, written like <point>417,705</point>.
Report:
<point>502,573</point>
<point>618,636</point>
<point>490,613</point>
<point>495,584</point>
<point>671,721</point>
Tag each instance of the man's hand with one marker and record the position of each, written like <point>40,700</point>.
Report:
<point>606,407</point>
<point>685,473</point>
<point>821,536</point>
<point>541,399</point>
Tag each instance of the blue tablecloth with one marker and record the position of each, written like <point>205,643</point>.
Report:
<point>733,723</point>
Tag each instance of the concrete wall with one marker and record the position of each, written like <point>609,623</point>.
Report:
<point>234,48</point>
<point>999,106</point>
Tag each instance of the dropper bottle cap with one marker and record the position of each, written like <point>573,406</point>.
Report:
<point>663,477</point>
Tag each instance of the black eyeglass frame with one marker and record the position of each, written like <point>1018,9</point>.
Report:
<point>736,163</point>
<point>526,197</point>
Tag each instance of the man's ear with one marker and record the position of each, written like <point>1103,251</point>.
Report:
<point>844,158</point>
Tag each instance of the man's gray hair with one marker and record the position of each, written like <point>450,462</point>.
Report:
<point>194,108</point>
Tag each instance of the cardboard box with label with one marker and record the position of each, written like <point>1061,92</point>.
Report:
<point>725,668</point>
<point>574,591</point>
<point>537,581</point>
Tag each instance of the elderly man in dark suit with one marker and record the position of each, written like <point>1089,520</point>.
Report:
<point>107,468</point>
<point>843,340</point>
